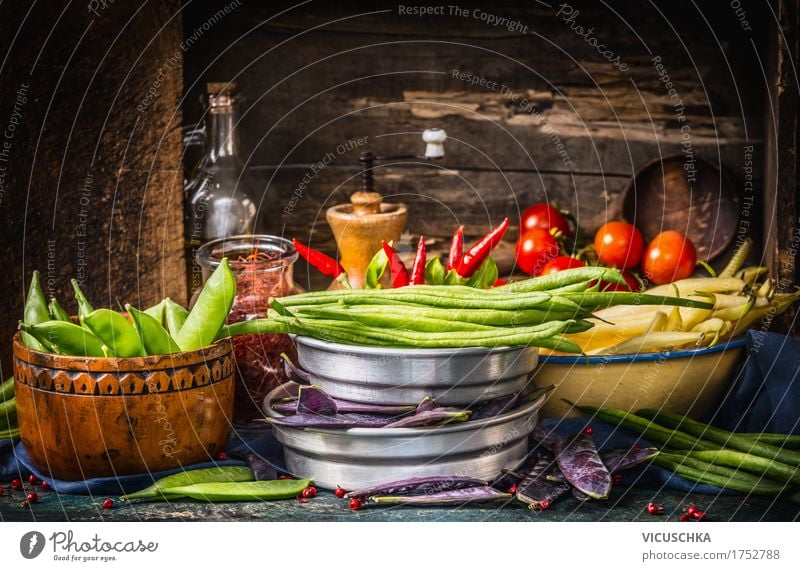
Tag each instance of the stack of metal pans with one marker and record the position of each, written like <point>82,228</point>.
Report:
<point>358,457</point>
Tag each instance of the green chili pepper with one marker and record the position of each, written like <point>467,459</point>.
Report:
<point>67,338</point>
<point>189,477</point>
<point>210,311</point>
<point>157,311</point>
<point>84,307</point>
<point>175,316</point>
<point>241,491</point>
<point>35,312</point>
<point>56,311</point>
<point>154,338</point>
<point>115,332</point>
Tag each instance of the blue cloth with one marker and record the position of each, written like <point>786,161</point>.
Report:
<point>764,397</point>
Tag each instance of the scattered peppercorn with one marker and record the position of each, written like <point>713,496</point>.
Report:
<point>588,430</point>
<point>33,480</point>
<point>654,509</point>
<point>685,517</point>
<point>699,516</point>
<point>16,484</point>
<point>45,486</point>
<point>340,492</point>
<point>512,489</point>
<point>32,497</point>
<point>222,456</point>
<point>617,479</point>
<point>301,499</point>
<point>2,490</point>
<point>108,504</point>
<point>691,510</point>
<point>544,504</point>
<point>355,504</point>
<point>309,492</point>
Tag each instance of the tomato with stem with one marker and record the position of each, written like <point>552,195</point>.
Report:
<point>545,216</point>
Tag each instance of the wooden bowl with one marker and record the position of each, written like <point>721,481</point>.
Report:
<point>88,417</point>
<point>702,204</point>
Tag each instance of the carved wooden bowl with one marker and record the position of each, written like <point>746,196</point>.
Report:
<point>87,417</point>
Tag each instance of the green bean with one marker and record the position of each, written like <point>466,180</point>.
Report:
<point>154,338</point>
<point>565,278</point>
<point>729,482</point>
<point>157,311</point>
<point>412,322</point>
<point>598,300</point>
<point>571,288</point>
<point>210,310</point>
<point>56,311</point>
<point>84,307</point>
<point>175,316</point>
<point>693,460</point>
<point>8,414</point>
<point>780,440</point>
<point>11,433</point>
<point>115,331</point>
<point>723,437</point>
<point>751,463</point>
<point>189,477</point>
<point>68,338</point>
<point>441,301</point>
<point>35,312</point>
<point>647,428</point>
<point>241,491</point>
<point>7,389</point>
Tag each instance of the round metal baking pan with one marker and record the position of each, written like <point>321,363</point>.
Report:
<point>382,375</point>
<point>358,457</point>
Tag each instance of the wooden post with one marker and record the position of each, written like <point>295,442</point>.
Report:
<point>90,149</point>
<point>781,141</point>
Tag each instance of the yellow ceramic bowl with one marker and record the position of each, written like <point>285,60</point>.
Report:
<point>684,382</point>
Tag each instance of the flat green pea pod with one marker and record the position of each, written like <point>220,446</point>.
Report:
<point>84,307</point>
<point>157,311</point>
<point>241,491</point>
<point>210,311</point>
<point>115,332</point>
<point>154,338</point>
<point>35,312</point>
<point>68,338</point>
<point>175,315</point>
<point>56,311</point>
<point>217,474</point>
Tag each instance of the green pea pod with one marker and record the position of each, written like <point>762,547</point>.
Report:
<point>35,311</point>
<point>241,491</point>
<point>434,272</point>
<point>7,389</point>
<point>56,311</point>
<point>157,311</point>
<point>115,331</point>
<point>210,310</point>
<point>175,316</point>
<point>154,338</point>
<point>375,270</point>
<point>190,477</point>
<point>84,307</point>
<point>67,338</point>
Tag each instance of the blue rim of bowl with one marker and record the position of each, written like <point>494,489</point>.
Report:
<point>639,357</point>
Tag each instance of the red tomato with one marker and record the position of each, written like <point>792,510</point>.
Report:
<point>534,248</point>
<point>561,263</point>
<point>619,244</point>
<point>670,256</point>
<point>543,216</point>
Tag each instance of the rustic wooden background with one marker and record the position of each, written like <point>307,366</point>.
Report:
<point>93,186</point>
<point>317,75</point>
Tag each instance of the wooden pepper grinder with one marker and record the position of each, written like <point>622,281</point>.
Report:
<point>361,226</point>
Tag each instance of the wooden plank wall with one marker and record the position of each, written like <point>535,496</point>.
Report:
<point>91,151</point>
<point>554,119</point>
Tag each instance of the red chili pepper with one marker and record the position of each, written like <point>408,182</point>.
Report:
<point>396,266</point>
<point>499,282</point>
<point>418,269</point>
<point>473,259</point>
<point>325,264</point>
<point>456,249</point>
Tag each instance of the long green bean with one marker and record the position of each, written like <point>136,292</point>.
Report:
<point>694,460</point>
<point>722,437</point>
<point>596,300</point>
<point>564,278</point>
<point>791,441</point>
<point>751,463</point>
<point>730,482</point>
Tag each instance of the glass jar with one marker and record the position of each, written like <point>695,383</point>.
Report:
<point>263,266</point>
